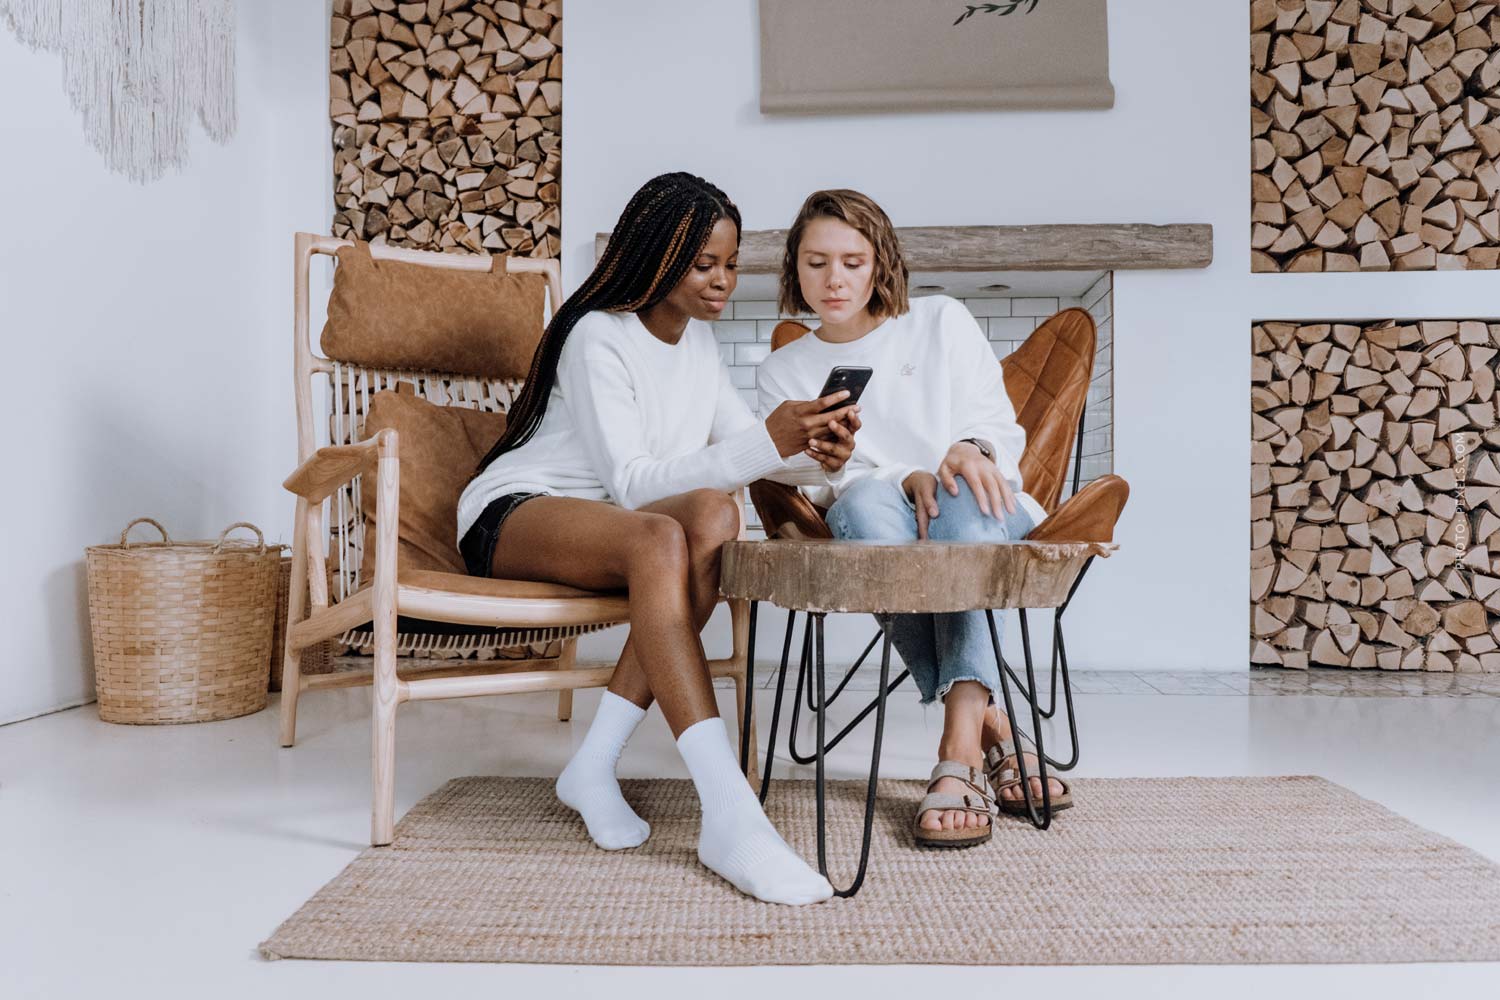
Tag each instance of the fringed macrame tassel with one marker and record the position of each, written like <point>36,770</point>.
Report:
<point>138,71</point>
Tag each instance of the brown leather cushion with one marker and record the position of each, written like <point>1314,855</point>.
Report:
<point>787,331</point>
<point>786,512</point>
<point>392,314</point>
<point>582,607</point>
<point>1090,515</point>
<point>476,586</point>
<point>1047,380</point>
<point>439,447</point>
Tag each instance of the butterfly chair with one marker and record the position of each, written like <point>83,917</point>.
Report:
<point>1047,379</point>
<point>392,362</point>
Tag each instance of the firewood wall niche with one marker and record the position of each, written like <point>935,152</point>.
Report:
<point>1374,496</point>
<point>447,124</point>
<point>1375,133</point>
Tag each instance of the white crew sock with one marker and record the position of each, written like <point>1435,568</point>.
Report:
<point>737,841</point>
<point>588,783</point>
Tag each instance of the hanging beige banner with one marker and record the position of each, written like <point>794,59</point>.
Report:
<point>829,56</point>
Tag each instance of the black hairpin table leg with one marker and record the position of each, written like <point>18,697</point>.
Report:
<point>786,651</point>
<point>871,785</point>
<point>747,709</point>
<point>1043,819</point>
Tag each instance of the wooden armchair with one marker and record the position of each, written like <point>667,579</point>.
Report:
<point>1047,380</point>
<point>531,627</point>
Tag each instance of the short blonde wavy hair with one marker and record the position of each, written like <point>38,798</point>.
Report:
<point>888,295</point>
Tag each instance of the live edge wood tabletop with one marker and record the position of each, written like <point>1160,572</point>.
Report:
<point>827,576</point>
<point>824,576</point>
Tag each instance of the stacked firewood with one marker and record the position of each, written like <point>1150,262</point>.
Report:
<point>448,123</point>
<point>1375,131</point>
<point>1375,498</point>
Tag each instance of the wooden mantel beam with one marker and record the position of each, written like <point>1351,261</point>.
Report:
<point>1094,247</point>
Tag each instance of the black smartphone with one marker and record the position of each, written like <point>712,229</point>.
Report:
<point>851,377</point>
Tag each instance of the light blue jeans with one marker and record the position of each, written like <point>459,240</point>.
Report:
<point>939,650</point>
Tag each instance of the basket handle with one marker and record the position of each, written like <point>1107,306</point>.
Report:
<point>241,524</point>
<point>125,542</point>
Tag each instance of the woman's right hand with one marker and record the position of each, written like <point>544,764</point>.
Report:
<point>921,489</point>
<point>794,423</point>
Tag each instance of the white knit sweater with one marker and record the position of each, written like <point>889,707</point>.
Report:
<point>935,382</point>
<point>632,420</point>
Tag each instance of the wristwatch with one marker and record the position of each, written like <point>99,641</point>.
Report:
<point>983,446</point>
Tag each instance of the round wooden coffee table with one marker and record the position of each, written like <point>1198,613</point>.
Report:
<point>823,576</point>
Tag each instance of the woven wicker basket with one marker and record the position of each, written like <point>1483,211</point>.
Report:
<point>317,658</point>
<point>182,630</point>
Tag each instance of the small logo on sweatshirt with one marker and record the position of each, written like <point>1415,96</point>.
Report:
<point>908,369</point>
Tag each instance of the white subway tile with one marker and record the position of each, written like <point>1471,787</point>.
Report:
<point>1098,442</point>
<point>1106,335</point>
<point>1095,466</point>
<point>726,353</point>
<point>1033,307</point>
<point>1099,290</point>
<point>764,328</point>
<point>988,307</point>
<point>1018,328</point>
<point>732,331</point>
<point>1002,347</point>
<point>751,354</point>
<point>743,376</point>
<point>755,309</point>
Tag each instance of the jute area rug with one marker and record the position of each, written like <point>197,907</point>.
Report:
<point>1141,871</point>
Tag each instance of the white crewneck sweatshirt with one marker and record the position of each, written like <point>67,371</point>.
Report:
<point>935,382</point>
<point>632,420</point>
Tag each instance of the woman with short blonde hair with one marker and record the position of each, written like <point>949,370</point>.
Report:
<point>938,457</point>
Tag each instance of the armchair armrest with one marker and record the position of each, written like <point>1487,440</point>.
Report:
<point>1088,515</point>
<point>785,512</point>
<point>330,467</point>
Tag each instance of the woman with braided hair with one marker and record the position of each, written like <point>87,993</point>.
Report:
<point>614,471</point>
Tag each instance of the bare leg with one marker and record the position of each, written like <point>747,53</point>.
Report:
<point>963,725</point>
<point>708,519</point>
<point>599,546</point>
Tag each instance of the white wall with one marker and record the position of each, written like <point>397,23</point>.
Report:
<point>148,329</point>
<point>661,85</point>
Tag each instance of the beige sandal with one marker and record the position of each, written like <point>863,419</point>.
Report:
<point>1001,767</point>
<point>977,800</point>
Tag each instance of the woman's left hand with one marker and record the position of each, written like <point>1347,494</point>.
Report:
<point>834,450</point>
<point>990,489</point>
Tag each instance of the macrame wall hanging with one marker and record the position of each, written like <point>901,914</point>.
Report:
<point>138,72</point>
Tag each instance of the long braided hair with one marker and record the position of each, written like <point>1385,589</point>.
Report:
<point>661,232</point>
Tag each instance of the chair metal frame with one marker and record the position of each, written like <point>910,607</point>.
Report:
<point>811,672</point>
<point>1059,663</point>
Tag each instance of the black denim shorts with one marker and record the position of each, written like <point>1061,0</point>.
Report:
<point>478,544</point>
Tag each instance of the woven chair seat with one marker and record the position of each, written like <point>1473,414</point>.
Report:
<point>421,635</point>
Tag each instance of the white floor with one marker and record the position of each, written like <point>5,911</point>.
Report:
<point>149,861</point>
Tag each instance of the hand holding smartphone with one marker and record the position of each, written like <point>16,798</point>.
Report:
<point>853,378</point>
<point>797,425</point>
